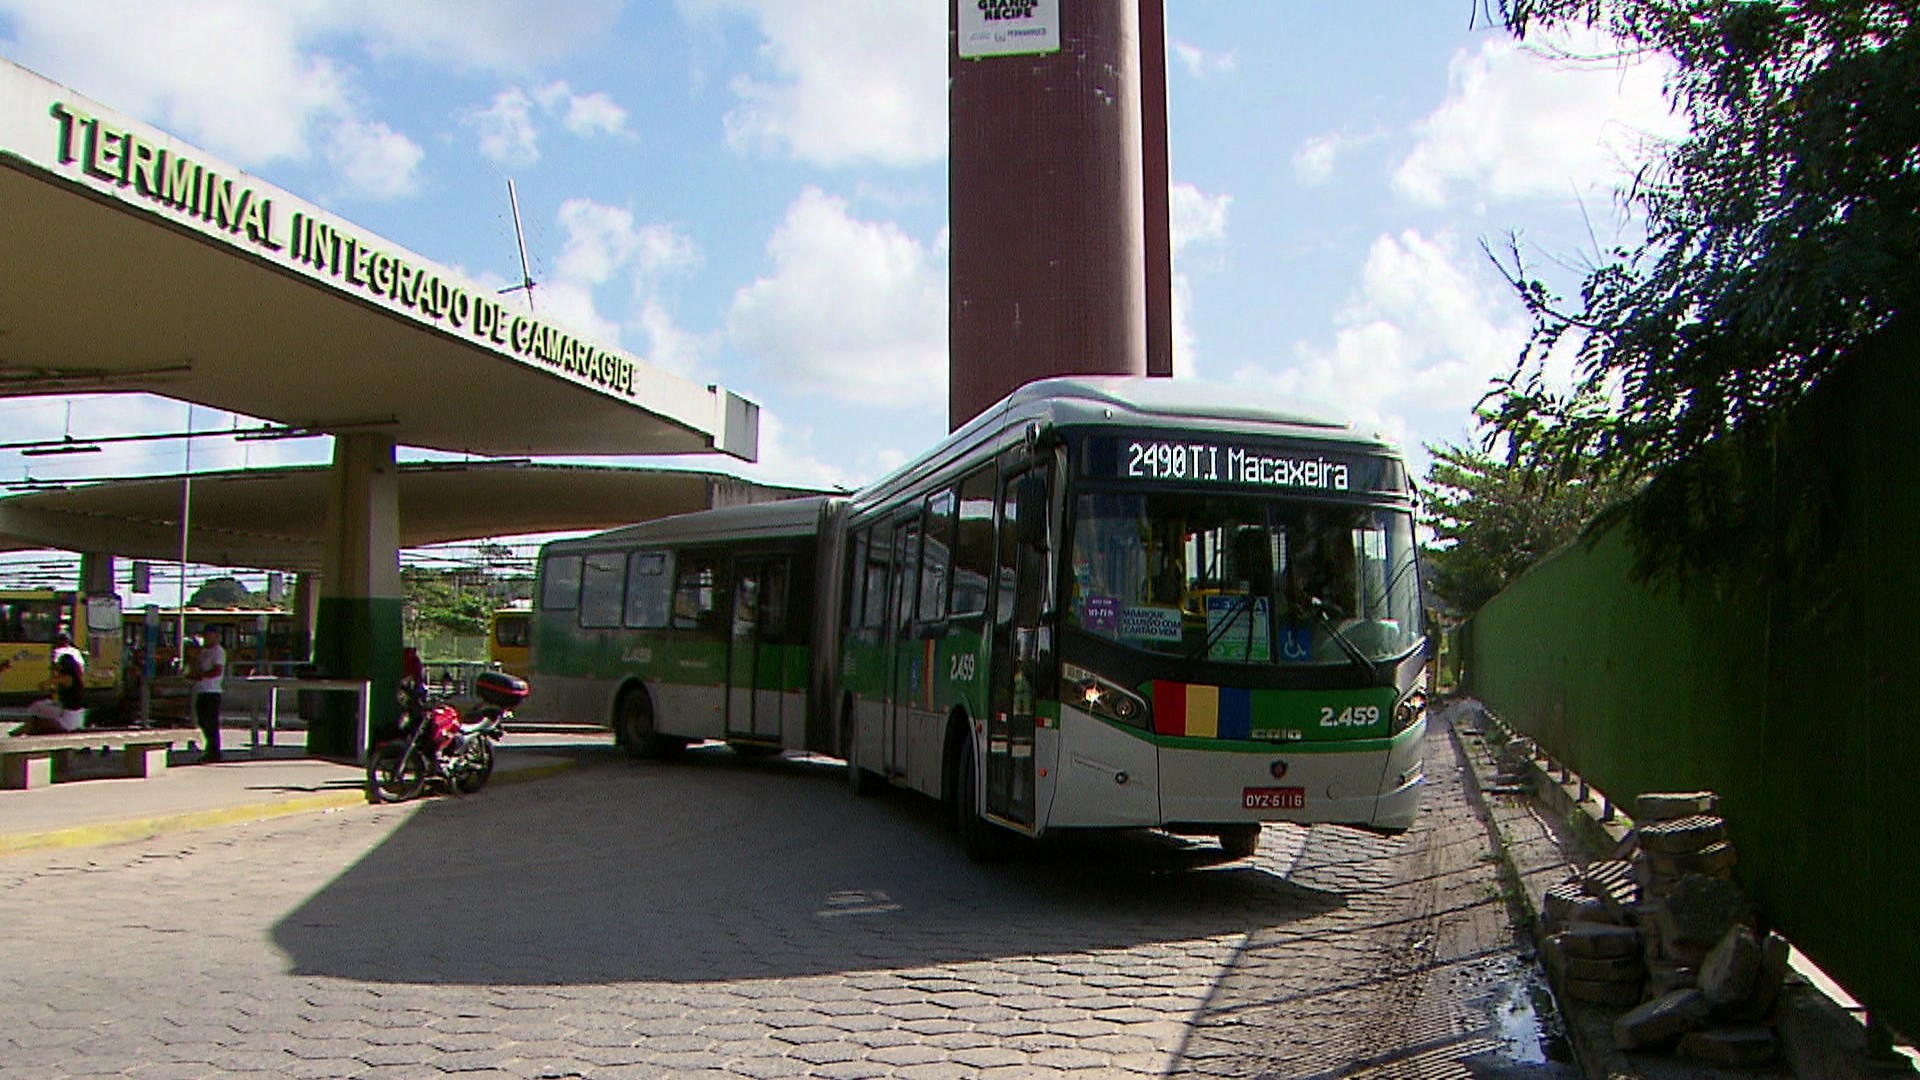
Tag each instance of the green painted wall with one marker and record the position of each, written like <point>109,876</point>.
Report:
<point>1794,698</point>
<point>356,638</point>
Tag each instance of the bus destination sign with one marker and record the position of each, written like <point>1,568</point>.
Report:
<point>1199,460</point>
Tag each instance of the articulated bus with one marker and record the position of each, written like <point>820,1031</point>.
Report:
<point>1105,603</point>
<point>29,619</point>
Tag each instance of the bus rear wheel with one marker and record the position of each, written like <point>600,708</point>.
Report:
<point>633,726</point>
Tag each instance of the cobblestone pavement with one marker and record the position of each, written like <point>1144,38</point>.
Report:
<point>724,916</point>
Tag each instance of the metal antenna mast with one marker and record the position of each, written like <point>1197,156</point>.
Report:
<point>526,277</point>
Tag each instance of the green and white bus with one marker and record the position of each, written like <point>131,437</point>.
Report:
<point>690,628</point>
<point>1107,602</point>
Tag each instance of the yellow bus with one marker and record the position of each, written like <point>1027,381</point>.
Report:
<point>258,641</point>
<point>29,619</point>
<point>509,637</point>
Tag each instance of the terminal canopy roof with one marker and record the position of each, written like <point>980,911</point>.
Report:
<point>132,261</point>
<point>274,518</point>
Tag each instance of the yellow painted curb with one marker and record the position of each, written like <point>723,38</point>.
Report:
<point>115,832</point>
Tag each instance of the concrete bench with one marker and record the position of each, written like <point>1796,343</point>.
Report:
<point>27,760</point>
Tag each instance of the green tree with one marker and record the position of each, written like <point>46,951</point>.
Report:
<point>227,592</point>
<point>441,602</point>
<point>1492,519</point>
<point>1781,234</point>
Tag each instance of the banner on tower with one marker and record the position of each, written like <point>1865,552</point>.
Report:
<point>1008,27</point>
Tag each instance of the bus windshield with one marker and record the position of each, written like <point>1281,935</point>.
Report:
<point>1245,579</point>
<point>28,621</point>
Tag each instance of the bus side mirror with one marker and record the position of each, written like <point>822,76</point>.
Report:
<point>1030,503</point>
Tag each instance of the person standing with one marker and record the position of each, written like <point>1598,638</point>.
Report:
<point>209,678</point>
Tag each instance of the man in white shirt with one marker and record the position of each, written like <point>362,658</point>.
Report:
<point>209,677</point>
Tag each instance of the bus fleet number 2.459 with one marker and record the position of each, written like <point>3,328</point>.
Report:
<point>1351,716</point>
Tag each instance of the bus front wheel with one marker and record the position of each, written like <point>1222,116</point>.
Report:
<point>982,840</point>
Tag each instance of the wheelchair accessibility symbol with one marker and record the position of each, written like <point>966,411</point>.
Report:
<point>1296,643</point>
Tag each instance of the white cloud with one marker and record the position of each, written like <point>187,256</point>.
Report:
<point>853,81</point>
<point>250,93</point>
<point>1414,348</point>
<point>1313,162</point>
<point>855,310</point>
<point>1519,124</point>
<point>256,83</point>
<point>570,302</point>
<point>680,351</point>
<point>787,457</point>
<point>1197,220</point>
<point>509,125</point>
<point>1200,62</point>
<point>492,35</point>
<point>1196,217</point>
<point>507,134</point>
<point>376,161</point>
<point>604,245</point>
<point>594,114</point>
<point>602,241</point>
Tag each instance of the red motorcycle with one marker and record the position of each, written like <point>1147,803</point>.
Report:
<point>440,747</point>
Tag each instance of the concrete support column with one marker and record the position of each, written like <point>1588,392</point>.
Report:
<point>357,624</point>
<point>306,606</point>
<point>96,573</point>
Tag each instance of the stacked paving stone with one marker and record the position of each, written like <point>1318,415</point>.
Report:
<point>1663,931</point>
<point>1515,768</point>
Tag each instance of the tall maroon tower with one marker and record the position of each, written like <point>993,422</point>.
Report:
<point>1047,190</point>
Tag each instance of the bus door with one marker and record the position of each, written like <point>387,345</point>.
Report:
<point>905,653</point>
<point>756,675</point>
<point>1018,649</point>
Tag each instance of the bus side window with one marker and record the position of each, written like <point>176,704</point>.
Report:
<point>697,594</point>
<point>874,613</point>
<point>560,583</point>
<point>906,552</point>
<point>773,605</point>
<point>603,589</point>
<point>973,544</point>
<point>936,556</point>
<point>649,589</point>
<point>856,580</point>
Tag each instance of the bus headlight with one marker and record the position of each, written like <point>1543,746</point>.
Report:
<point>1105,699</point>
<point>1410,710</point>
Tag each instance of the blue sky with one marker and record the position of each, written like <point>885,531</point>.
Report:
<point>753,192</point>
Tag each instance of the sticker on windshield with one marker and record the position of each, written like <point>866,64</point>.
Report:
<point>1101,614</point>
<point>1150,623</point>
<point>1296,644</point>
<point>1237,629</point>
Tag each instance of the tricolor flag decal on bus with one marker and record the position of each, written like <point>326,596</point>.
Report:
<point>1212,712</point>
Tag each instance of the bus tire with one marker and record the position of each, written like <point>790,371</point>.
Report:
<point>1239,841</point>
<point>982,840</point>
<point>860,780</point>
<point>633,726</point>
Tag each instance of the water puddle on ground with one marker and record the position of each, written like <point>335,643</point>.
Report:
<point>1524,1019</point>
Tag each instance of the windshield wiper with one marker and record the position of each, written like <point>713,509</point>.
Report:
<point>1321,608</point>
